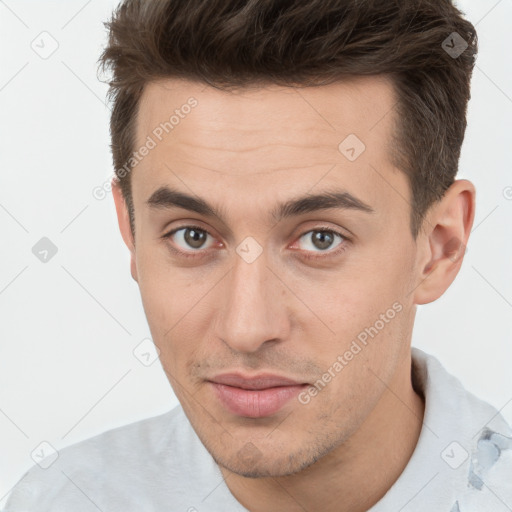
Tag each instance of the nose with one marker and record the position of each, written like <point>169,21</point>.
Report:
<point>252,310</point>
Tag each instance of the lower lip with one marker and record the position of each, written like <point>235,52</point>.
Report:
<point>255,403</point>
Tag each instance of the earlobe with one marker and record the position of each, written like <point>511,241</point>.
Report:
<point>445,239</point>
<point>123,219</point>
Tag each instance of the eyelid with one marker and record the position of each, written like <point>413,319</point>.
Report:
<point>306,254</point>
<point>330,253</point>
<point>181,252</point>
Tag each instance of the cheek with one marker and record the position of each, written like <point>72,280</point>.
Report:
<point>348,303</point>
<point>162,297</point>
<point>367,321</point>
<point>177,307</point>
<point>163,287</point>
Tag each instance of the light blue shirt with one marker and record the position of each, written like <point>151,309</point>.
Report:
<point>462,463</point>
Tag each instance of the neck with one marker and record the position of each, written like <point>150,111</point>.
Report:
<point>356,474</point>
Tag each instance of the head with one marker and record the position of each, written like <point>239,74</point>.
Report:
<point>285,183</point>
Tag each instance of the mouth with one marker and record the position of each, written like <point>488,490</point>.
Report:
<point>258,396</point>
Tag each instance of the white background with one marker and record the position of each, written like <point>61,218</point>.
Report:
<point>69,326</point>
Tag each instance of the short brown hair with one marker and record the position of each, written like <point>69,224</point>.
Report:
<point>229,44</point>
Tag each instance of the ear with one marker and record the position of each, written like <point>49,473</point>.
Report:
<point>445,235</point>
<point>123,219</point>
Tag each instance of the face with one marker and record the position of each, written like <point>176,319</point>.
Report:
<point>275,262</point>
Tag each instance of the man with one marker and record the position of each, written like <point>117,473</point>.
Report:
<point>285,184</point>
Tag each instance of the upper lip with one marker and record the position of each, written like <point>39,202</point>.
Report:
<point>262,381</point>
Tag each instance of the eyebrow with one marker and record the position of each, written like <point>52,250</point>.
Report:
<point>166,197</point>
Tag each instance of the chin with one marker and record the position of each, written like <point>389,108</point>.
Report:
<point>250,462</point>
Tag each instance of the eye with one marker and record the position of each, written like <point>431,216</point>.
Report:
<point>187,238</point>
<point>321,241</point>
<point>190,242</point>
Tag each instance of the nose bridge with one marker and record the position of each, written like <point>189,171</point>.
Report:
<point>252,312</point>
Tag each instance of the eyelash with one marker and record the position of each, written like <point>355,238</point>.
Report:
<point>197,254</point>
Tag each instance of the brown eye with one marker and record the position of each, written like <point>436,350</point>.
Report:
<point>194,237</point>
<point>188,238</point>
<point>320,240</point>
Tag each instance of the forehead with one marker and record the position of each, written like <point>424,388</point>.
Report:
<point>267,139</point>
<point>259,114</point>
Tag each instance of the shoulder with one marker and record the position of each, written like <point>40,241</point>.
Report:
<point>489,482</point>
<point>474,438</point>
<point>118,459</point>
